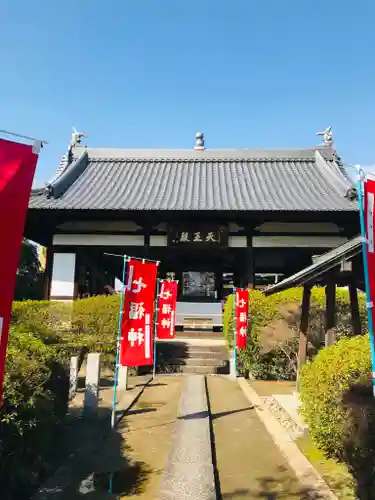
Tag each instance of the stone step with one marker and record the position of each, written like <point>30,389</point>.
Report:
<point>199,334</point>
<point>214,350</point>
<point>203,354</point>
<point>204,370</point>
<point>195,361</point>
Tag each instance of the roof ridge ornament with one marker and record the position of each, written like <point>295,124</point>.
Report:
<point>76,139</point>
<point>327,136</point>
<point>67,158</point>
<point>199,141</point>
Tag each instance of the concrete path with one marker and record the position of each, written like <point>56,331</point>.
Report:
<point>249,464</point>
<point>189,472</point>
<point>82,439</point>
<point>135,452</point>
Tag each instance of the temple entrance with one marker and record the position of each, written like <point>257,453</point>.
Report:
<point>197,284</point>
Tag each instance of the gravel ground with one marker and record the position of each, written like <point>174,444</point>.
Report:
<point>283,418</point>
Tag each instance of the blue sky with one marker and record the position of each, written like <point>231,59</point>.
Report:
<point>148,73</point>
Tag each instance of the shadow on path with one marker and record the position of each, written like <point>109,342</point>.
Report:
<point>96,453</point>
<point>109,460</point>
<point>270,488</point>
<point>205,414</point>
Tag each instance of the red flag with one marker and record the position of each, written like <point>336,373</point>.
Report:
<point>167,309</point>
<point>17,169</point>
<point>369,197</point>
<point>137,341</point>
<point>242,307</point>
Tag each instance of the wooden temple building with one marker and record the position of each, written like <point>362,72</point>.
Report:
<point>214,218</point>
<point>340,267</point>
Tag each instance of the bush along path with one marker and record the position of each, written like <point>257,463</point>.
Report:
<point>339,408</point>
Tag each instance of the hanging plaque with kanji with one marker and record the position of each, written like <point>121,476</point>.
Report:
<point>167,309</point>
<point>136,348</point>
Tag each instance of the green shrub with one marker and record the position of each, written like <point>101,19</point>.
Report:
<point>280,363</point>
<point>339,408</point>
<point>95,322</point>
<point>43,336</point>
<point>264,310</point>
<point>84,325</point>
<point>43,314</point>
<point>324,381</point>
<point>36,388</point>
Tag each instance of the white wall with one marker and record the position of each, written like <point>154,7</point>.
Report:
<point>63,271</point>
<point>99,239</point>
<point>298,241</point>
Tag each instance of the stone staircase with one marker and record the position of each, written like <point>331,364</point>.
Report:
<point>198,334</point>
<point>198,346</point>
<point>185,357</point>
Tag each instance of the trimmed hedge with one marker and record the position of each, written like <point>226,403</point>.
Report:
<point>263,311</point>
<point>84,325</point>
<point>43,336</point>
<point>36,388</point>
<point>323,383</point>
<point>339,408</point>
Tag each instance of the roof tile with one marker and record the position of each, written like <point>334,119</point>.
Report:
<point>241,180</point>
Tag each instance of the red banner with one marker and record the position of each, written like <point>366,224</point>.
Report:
<point>137,335</point>
<point>167,309</point>
<point>369,197</point>
<point>17,169</point>
<point>242,308</point>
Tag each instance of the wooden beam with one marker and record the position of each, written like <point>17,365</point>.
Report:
<point>330,316</point>
<point>304,326</point>
<point>354,309</point>
<point>47,275</point>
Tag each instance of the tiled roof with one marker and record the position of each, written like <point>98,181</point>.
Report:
<point>212,180</point>
<point>323,264</point>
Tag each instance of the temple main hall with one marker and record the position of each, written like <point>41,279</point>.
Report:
<point>214,218</point>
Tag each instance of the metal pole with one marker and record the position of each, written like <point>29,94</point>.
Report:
<point>14,134</point>
<point>115,383</point>
<point>156,325</point>
<point>369,303</point>
<point>234,335</point>
<point>133,258</point>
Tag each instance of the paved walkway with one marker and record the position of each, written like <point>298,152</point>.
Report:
<point>189,472</point>
<point>81,438</point>
<point>162,449</point>
<point>249,464</point>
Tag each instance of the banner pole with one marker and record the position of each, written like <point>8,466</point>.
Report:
<point>369,303</point>
<point>28,138</point>
<point>115,382</point>
<point>234,335</point>
<point>143,259</point>
<point>156,325</point>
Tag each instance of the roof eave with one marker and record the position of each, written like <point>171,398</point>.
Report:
<point>58,187</point>
<point>313,271</point>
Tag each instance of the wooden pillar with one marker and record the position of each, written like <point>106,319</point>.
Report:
<point>219,281</point>
<point>247,268</point>
<point>330,316</point>
<point>304,326</point>
<point>354,309</point>
<point>48,273</point>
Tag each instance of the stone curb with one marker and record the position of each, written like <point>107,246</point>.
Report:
<point>61,479</point>
<point>305,472</point>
